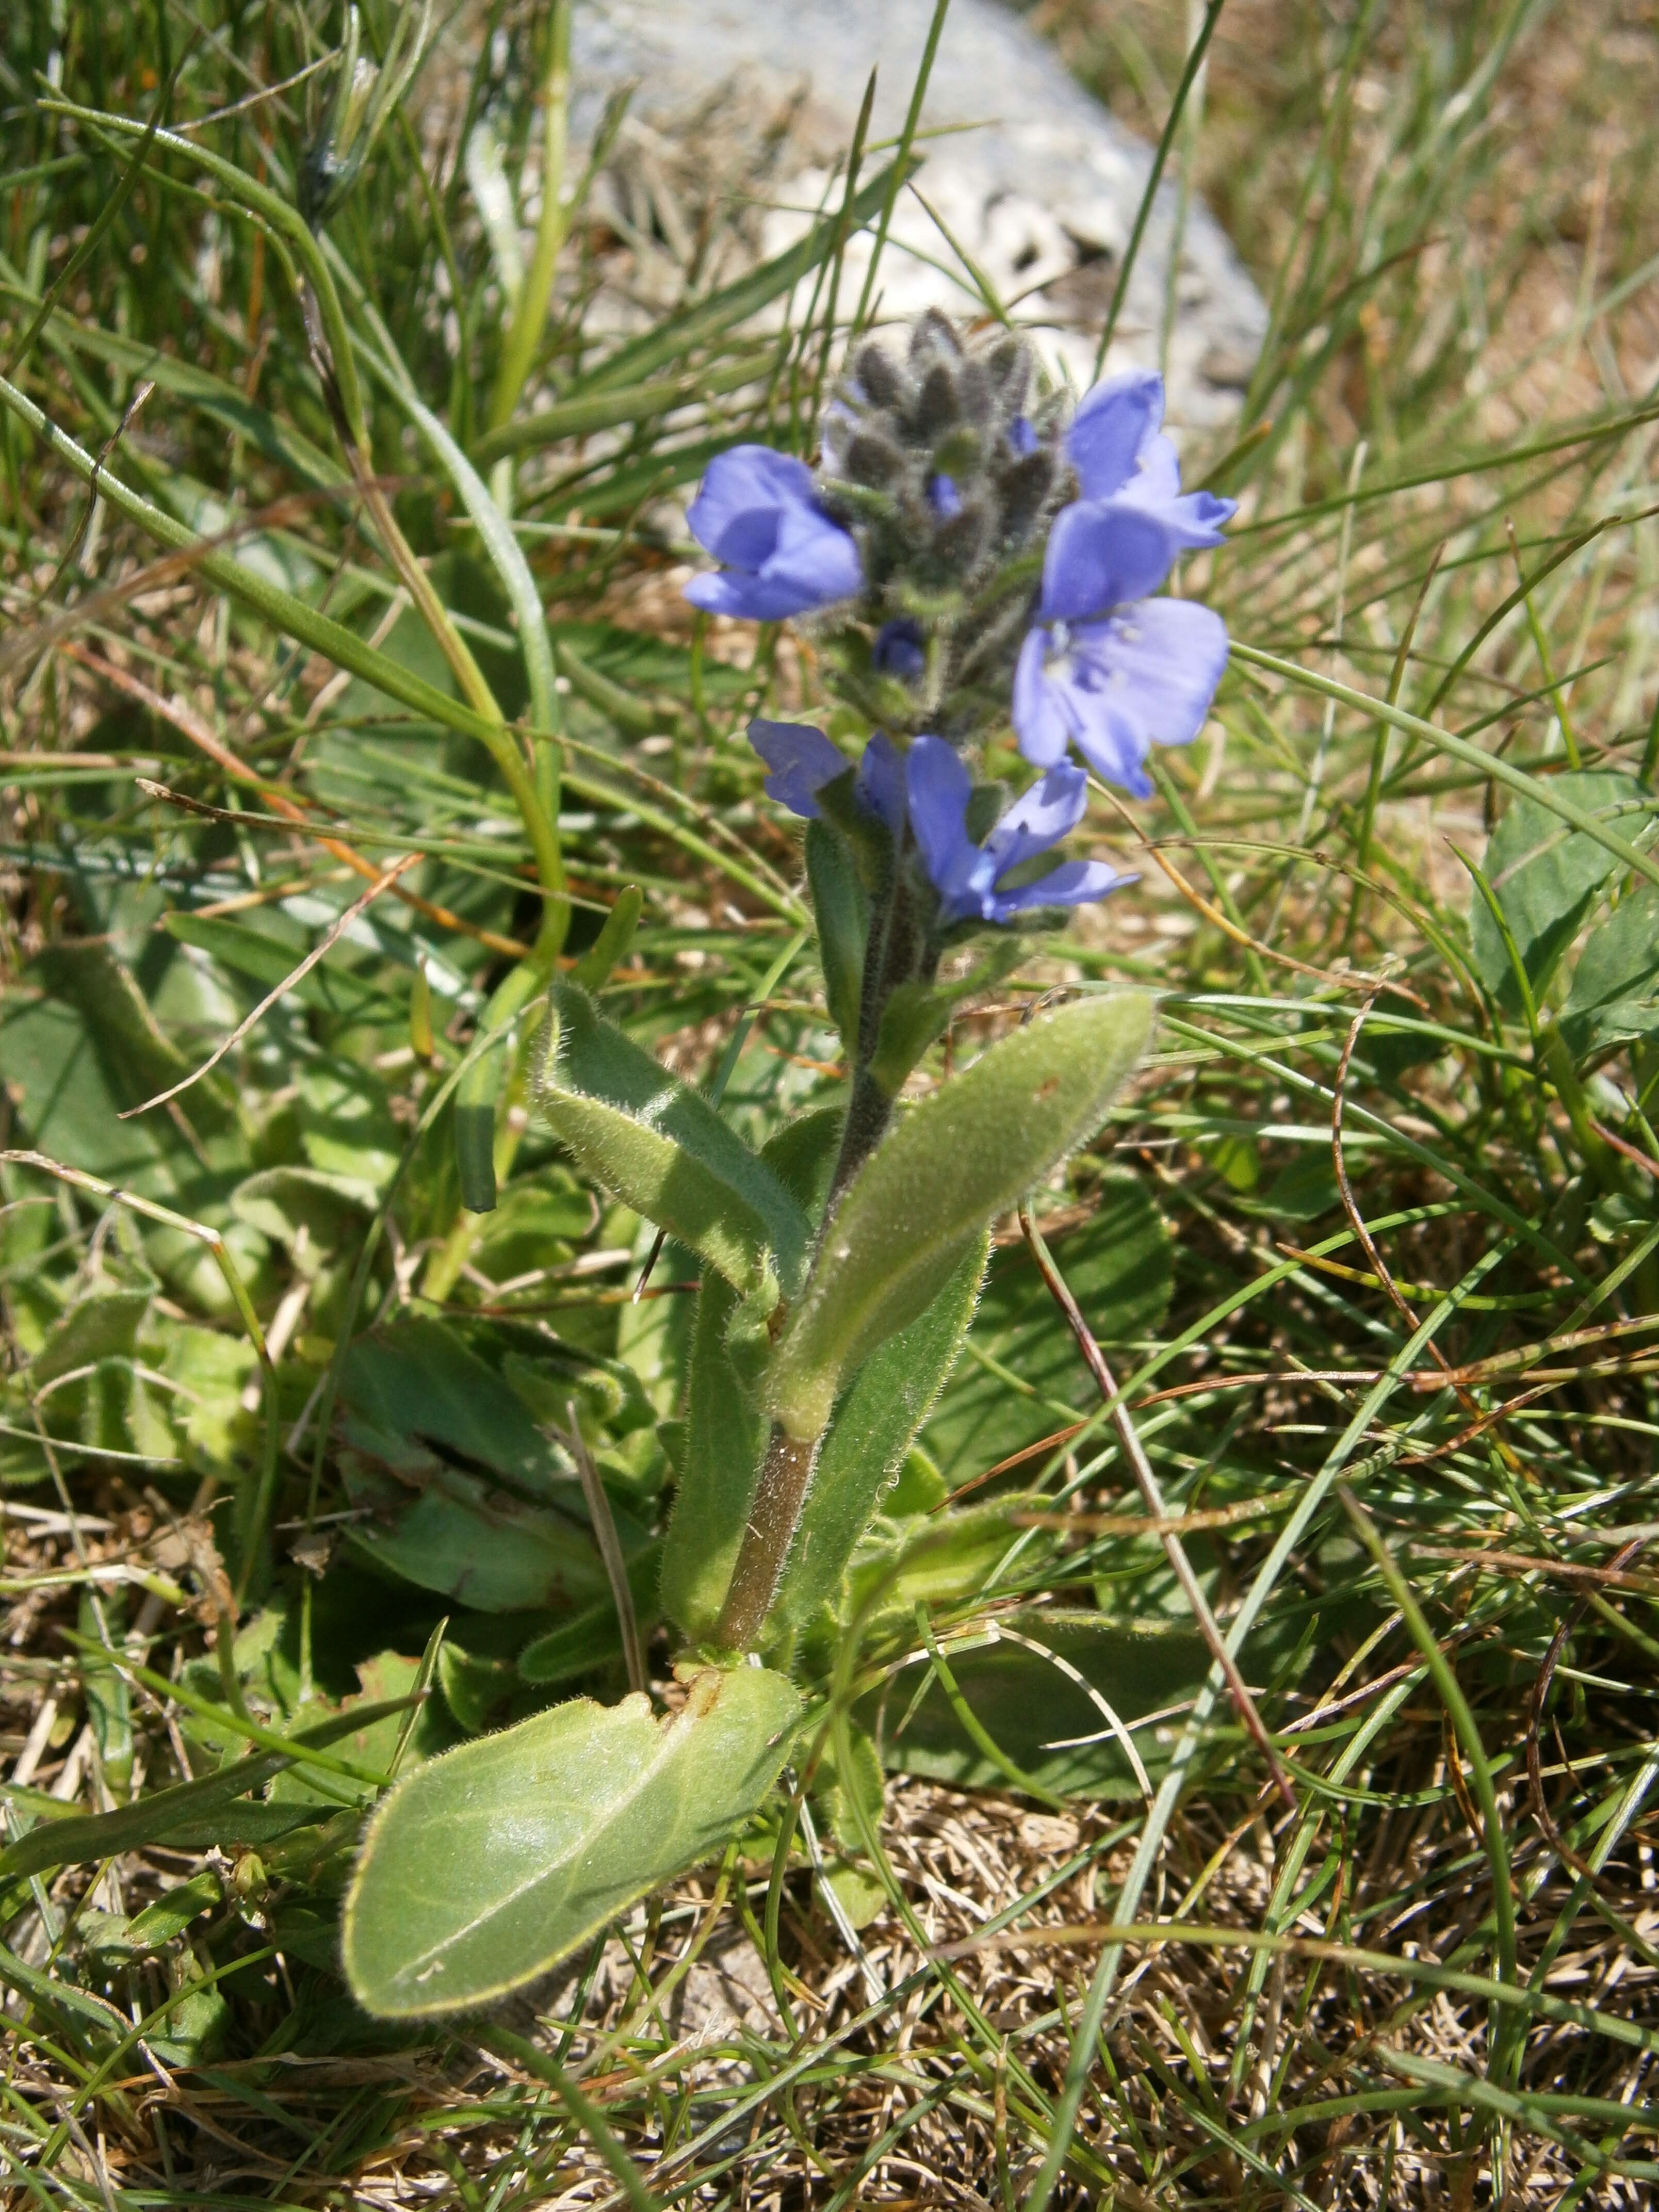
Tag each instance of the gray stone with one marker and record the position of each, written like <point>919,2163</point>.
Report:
<point>757,98</point>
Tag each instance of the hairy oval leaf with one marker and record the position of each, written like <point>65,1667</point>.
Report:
<point>660,1146</point>
<point>873,1428</point>
<point>488,1865</point>
<point>960,1158</point>
<point>725,1436</point>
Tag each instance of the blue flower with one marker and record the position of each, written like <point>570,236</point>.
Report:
<point>938,787</point>
<point>900,650</point>
<point>757,511</point>
<point>1108,668</point>
<point>1116,446</point>
<point>1143,675</point>
<point>1021,436</point>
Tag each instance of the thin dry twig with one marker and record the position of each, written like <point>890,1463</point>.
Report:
<point>323,945</point>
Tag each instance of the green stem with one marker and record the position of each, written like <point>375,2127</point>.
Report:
<point>277,211</point>
<point>524,336</point>
<point>897,952</point>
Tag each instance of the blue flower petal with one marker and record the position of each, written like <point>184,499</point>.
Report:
<point>1023,437</point>
<point>734,514</point>
<point>1192,518</point>
<point>802,760</point>
<point>900,650</point>
<point>1101,553</point>
<point>938,787</point>
<point>1041,722</point>
<point>943,497</point>
<point>1049,810</point>
<point>881,783</point>
<point>1074,883</point>
<point>1112,425</point>
<point>758,512</point>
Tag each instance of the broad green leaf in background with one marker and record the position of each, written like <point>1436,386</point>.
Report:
<point>1119,1266</point>
<point>593,1637</point>
<point>487,1866</point>
<point>101,1326</point>
<point>1545,877</point>
<point>1035,1711</point>
<point>661,1147</point>
<point>415,1378</point>
<point>305,1210</point>
<point>267,951</point>
<point>456,1537</point>
<point>870,1434</point>
<point>1616,986</point>
<point>965,1154</point>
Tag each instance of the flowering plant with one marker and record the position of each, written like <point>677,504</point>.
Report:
<point>968,553</point>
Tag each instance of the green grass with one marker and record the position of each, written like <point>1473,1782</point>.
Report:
<point>1398,1391</point>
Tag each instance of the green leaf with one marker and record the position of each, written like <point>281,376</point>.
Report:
<point>591,1639</point>
<point>842,909</point>
<point>662,1148</point>
<point>916,1013</point>
<point>487,1551</point>
<point>870,1436</point>
<point>1615,985</point>
<point>1032,1709</point>
<point>263,956</point>
<point>495,534</point>
<point>610,948</point>
<point>1119,1265</point>
<point>171,1914</point>
<point>579,416</point>
<point>186,1811</point>
<point>724,1437</point>
<point>414,1377</point>
<point>305,1208</point>
<point>963,1156</point>
<point>1545,877</point>
<point>98,1326</point>
<point>489,1865</point>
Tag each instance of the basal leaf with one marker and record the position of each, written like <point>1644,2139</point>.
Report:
<point>490,1864</point>
<point>950,1166</point>
<point>1616,986</point>
<point>1038,1714</point>
<point>662,1148</point>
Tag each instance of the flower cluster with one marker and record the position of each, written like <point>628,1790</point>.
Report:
<point>965,554</point>
<point>928,790</point>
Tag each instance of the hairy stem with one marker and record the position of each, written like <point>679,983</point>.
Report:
<point>779,1493</point>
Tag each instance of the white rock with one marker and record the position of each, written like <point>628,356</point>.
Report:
<point>1041,195</point>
